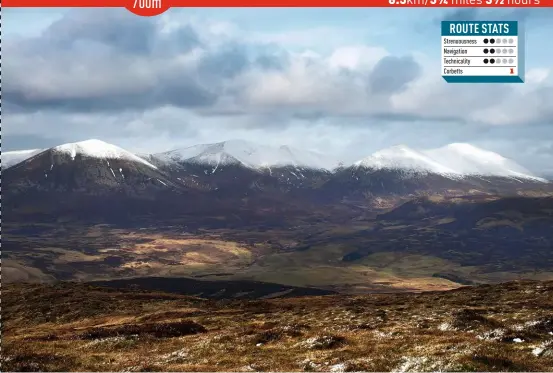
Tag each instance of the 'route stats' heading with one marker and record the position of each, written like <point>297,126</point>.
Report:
<point>479,28</point>
<point>482,52</point>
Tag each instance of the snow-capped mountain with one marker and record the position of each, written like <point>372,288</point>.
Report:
<point>11,158</point>
<point>98,149</point>
<point>89,148</point>
<point>452,161</point>
<point>90,166</point>
<point>248,154</point>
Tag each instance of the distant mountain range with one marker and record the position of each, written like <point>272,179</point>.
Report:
<point>238,175</point>
<point>454,160</point>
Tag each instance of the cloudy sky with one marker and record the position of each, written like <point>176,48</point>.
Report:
<point>342,81</point>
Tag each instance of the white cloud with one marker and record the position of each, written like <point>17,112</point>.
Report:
<point>537,76</point>
<point>356,57</point>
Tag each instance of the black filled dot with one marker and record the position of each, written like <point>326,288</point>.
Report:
<point>485,41</point>
<point>492,61</point>
<point>492,51</point>
<point>486,50</point>
<point>485,60</point>
<point>492,41</point>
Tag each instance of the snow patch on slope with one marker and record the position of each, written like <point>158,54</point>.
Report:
<point>11,158</point>
<point>99,149</point>
<point>247,154</point>
<point>453,161</point>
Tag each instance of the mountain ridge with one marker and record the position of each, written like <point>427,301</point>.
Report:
<point>454,161</point>
<point>246,153</point>
<point>14,157</point>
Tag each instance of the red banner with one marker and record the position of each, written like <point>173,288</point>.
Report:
<point>156,7</point>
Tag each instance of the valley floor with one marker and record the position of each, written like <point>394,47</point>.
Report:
<point>365,257</point>
<point>77,327</point>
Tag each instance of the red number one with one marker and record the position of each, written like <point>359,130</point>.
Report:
<point>512,70</point>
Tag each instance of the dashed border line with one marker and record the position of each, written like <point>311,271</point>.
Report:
<point>0,180</point>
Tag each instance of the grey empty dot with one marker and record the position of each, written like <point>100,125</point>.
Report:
<point>504,60</point>
<point>511,60</point>
<point>504,50</point>
<point>504,41</point>
<point>510,41</point>
<point>511,51</point>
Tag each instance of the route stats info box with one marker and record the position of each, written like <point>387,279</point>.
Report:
<point>482,52</point>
